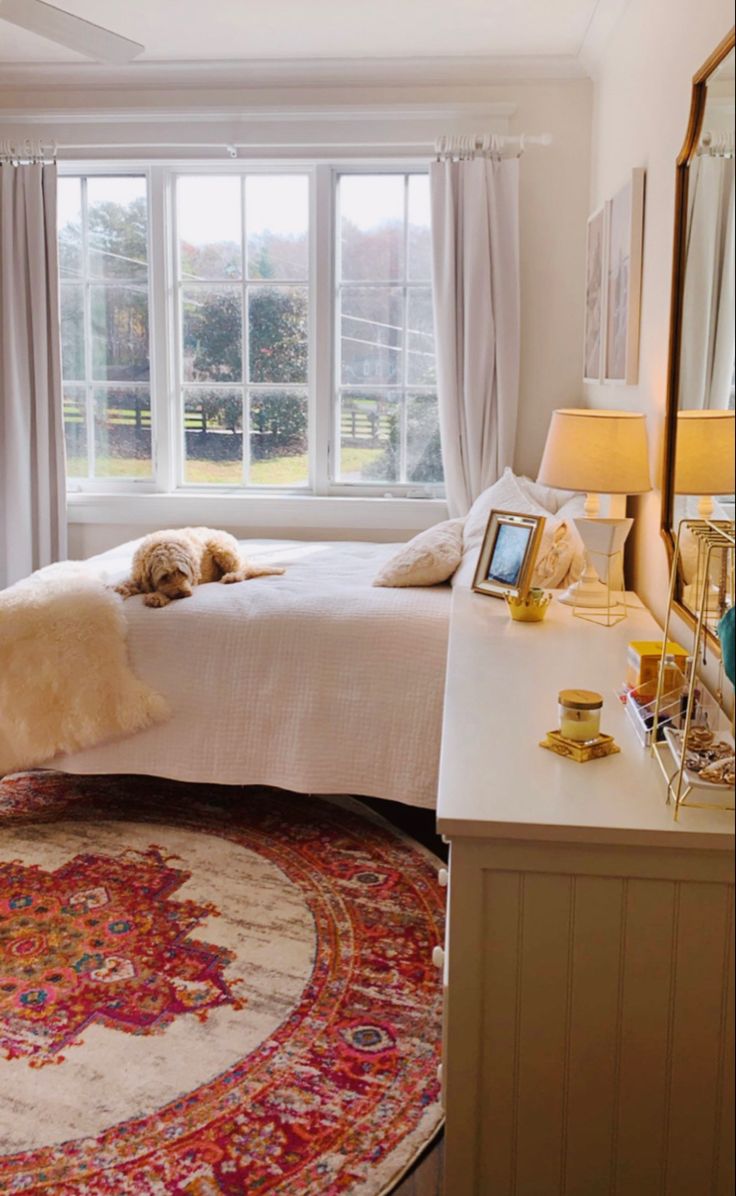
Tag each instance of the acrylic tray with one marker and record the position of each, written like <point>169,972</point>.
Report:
<point>641,717</point>
<point>674,742</point>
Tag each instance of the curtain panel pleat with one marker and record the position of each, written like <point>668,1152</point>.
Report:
<point>706,362</point>
<point>475,262</point>
<point>32,461</point>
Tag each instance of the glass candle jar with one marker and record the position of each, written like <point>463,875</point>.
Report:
<point>580,714</point>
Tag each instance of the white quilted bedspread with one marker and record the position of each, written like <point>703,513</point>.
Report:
<point>315,681</point>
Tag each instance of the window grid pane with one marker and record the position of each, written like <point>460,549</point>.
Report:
<point>259,340</point>
<point>249,353</point>
<point>386,413</point>
<point>103,245</point>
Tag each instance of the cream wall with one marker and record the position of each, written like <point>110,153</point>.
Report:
<point>640,110</point>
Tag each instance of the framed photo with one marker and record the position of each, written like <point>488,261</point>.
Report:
<point>508,554</point>
<point>595,296</point>
<point>623,281</point>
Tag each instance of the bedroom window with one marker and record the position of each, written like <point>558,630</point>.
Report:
<point>103,266</point>
<point>242,314</point>
<point>259,327</point>
<point>386,397</point>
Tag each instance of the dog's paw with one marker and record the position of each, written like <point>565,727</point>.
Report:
<point>228,578</point>
<point>127,589</point>
<point>156,600</point>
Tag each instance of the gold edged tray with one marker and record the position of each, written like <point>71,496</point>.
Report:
<point>595,749</point>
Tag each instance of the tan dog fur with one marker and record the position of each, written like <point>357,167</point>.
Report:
<point>169,564</point>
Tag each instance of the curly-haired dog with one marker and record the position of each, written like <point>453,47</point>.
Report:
<point>169,564</point>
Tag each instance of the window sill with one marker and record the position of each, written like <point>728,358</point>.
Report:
<point>276,515</point>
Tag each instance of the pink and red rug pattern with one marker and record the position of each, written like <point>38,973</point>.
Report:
<point>98,940</point>
<point>336,1098</point>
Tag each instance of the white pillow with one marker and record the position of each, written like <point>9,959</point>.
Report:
<point>546,496</point>
<point>430,558</point>
<point>556,550</point>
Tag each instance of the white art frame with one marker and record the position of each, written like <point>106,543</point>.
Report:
<point>624,240</point>
<point>613,275</point>
<point>595,295</point>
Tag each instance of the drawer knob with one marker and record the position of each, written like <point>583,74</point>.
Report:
<point>438,957</point>
<point>443,877</point>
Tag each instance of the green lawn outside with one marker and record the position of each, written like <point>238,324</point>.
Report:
<point>279,471</point>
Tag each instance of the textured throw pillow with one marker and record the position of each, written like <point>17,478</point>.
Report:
<point>430,558</point>
<point>556,551</point>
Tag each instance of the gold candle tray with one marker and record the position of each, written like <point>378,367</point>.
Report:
<point>594,749</point>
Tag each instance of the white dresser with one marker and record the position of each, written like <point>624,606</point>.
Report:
<point>589,956</point>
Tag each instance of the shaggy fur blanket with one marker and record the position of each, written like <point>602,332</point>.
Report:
<point>65,681</point>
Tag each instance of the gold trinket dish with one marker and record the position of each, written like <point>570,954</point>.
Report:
<point>594,749</point>
<point>530,609</point>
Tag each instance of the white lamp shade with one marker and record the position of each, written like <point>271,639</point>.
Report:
<point>704,452</point>
<point>600,452</point>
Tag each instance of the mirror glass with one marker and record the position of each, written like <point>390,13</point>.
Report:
<point>704,429</point>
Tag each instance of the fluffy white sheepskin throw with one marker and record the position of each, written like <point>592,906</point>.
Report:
<point>65,681</point>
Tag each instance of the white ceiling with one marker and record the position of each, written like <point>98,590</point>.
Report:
<point>247,30</point>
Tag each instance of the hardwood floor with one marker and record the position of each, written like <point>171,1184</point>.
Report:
<point>425,1179</point>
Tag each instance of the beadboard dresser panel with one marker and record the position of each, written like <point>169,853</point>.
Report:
<point>589,955</point>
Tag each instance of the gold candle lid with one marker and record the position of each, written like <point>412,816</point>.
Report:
<point>580,699</point>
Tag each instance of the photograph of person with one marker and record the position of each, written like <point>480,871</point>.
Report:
<point>509,552</point>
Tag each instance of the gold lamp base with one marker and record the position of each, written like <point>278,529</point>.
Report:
<point>594,749</point>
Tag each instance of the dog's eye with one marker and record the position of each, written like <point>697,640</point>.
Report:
<point>165,577</point>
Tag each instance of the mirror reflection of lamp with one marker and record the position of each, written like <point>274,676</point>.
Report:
<point>598,452</point>
<point>704,456</point>
<point>704,466</point>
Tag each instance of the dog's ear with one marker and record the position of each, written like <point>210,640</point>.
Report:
<point>141,571</point>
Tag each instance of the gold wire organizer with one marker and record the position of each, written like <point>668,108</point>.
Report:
<point>716,543</point>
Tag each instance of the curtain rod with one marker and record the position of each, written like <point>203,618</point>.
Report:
<point>29,150</point>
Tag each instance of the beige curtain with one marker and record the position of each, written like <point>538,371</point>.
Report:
<point>475,269</point>
<point>32,473</point>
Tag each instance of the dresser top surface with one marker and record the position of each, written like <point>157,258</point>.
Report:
<point>503,679</point>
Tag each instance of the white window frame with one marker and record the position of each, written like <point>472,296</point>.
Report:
<point>167,425</point>
<point>406,489</point>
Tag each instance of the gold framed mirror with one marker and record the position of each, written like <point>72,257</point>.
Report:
<point>700,428</point>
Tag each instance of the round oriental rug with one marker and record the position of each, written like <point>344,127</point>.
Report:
<point>207,990</point>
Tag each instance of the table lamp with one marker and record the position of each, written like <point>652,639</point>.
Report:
<point>704,456</point>
<point>598,452</point>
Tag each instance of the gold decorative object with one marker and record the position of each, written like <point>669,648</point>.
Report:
<point>594,749</point>
<point>531,609</point>
<point>686,738</point>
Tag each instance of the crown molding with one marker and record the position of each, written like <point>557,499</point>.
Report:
<point>288,73</point>
<point>236,113</point>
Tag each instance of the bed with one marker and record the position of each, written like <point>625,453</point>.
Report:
<point>316,681</point>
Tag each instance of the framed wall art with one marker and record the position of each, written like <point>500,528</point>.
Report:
<point>623,281</point>
<point>613,286</point>
<point>595,293</point>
